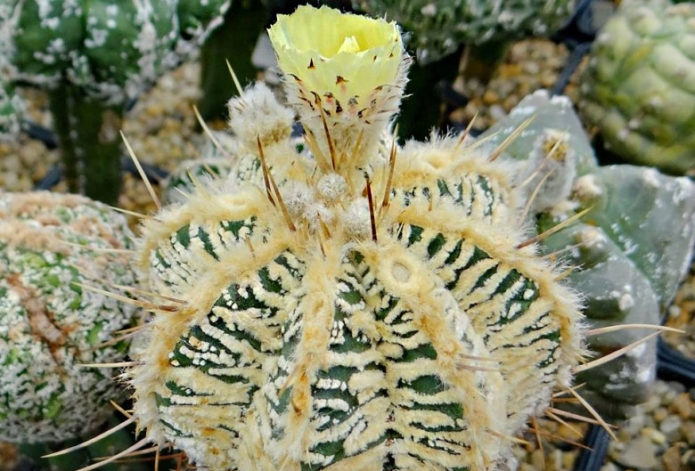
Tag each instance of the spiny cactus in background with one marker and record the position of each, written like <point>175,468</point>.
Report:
<point>349,309</point>
<point>440,27</point>
<point>50,246</point>
<point>631,249</point>
<point>639,88</point>
<point>94,56</point>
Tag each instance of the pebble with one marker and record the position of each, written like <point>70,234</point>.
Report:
<point>660,414</point>
<point>641,453</point>
<point>672,458</point>
<point>670,427</point>
<point>682,405</point>
<point>529,65</point>
<point>688,432</point>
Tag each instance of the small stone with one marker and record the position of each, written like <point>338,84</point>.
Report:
<point>691,392</point>
<point>497,112</point>
<point>676,387</point>
<point>652,403</point>
<point>671,459</point>
<point>641,453</point>
<point>670,427</point>
<point>538,459</point>
<point>568,459</point>
<point>490,97</point>
<point>660,414</point>
<point>654,435</point>
<point>609,467</point>
<point>682,405</point>
<point>688,432</point>
<point>634,424</point>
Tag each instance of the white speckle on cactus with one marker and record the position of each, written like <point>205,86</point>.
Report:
<point>626,302</point>
<point>593,238</point>
<point>651,177</point>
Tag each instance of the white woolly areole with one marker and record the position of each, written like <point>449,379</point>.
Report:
<point>356,218</point>
<point>257,114</point>
<point>332,187</point>
<point>587,188</point>
<point>298,198</point>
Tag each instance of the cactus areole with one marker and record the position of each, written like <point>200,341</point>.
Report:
<point>361,306</point>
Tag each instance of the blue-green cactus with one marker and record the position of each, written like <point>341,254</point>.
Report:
<point>630,250</point>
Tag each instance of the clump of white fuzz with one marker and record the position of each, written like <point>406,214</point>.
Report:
<point>356,218</point>
<point>332,187</point>
<point>257,114</point>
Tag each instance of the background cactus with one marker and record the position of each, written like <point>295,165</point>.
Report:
<point>11,110</point>
<point>639,88</point>
<point>627,266</point>
<point>49,245</point>
<point>348,309</point>
<point>95,56</point>
<point>439,27</point>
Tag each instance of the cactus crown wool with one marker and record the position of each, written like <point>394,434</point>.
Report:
<point>360,306</point>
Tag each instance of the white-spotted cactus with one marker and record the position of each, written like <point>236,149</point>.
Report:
<point>352,308</point>
<point>440,26</point>
<point>51,246</point>
<point>639,88</point>
<point>95,56</point>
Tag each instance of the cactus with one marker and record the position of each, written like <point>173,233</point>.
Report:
<point>639,88</point>
<point>440,27</point>
<point>94,56</point>
<point>49,248</point>
<point>365,306</point>
<point>11,110</point>
<point>628,267</point>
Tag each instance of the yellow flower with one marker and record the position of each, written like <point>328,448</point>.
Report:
<point>338,56</point>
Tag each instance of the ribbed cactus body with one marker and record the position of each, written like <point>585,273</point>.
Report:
<point>358,306</point>
<point>11,110</point>
<point>49,246</point>
<point>639,88</point>
<point>113,50</point>
<point>367,353</point>
<point>627,265</point>
<point>440,26</point>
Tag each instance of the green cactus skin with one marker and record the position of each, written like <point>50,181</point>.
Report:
<point>628,266</point>
<point>11,111</point>
<point>50,325</point>
<point>242,24</point>
<point>94,56</point>
<point>439,27</point>
<point>90,143</point>
<point>639,88</point>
